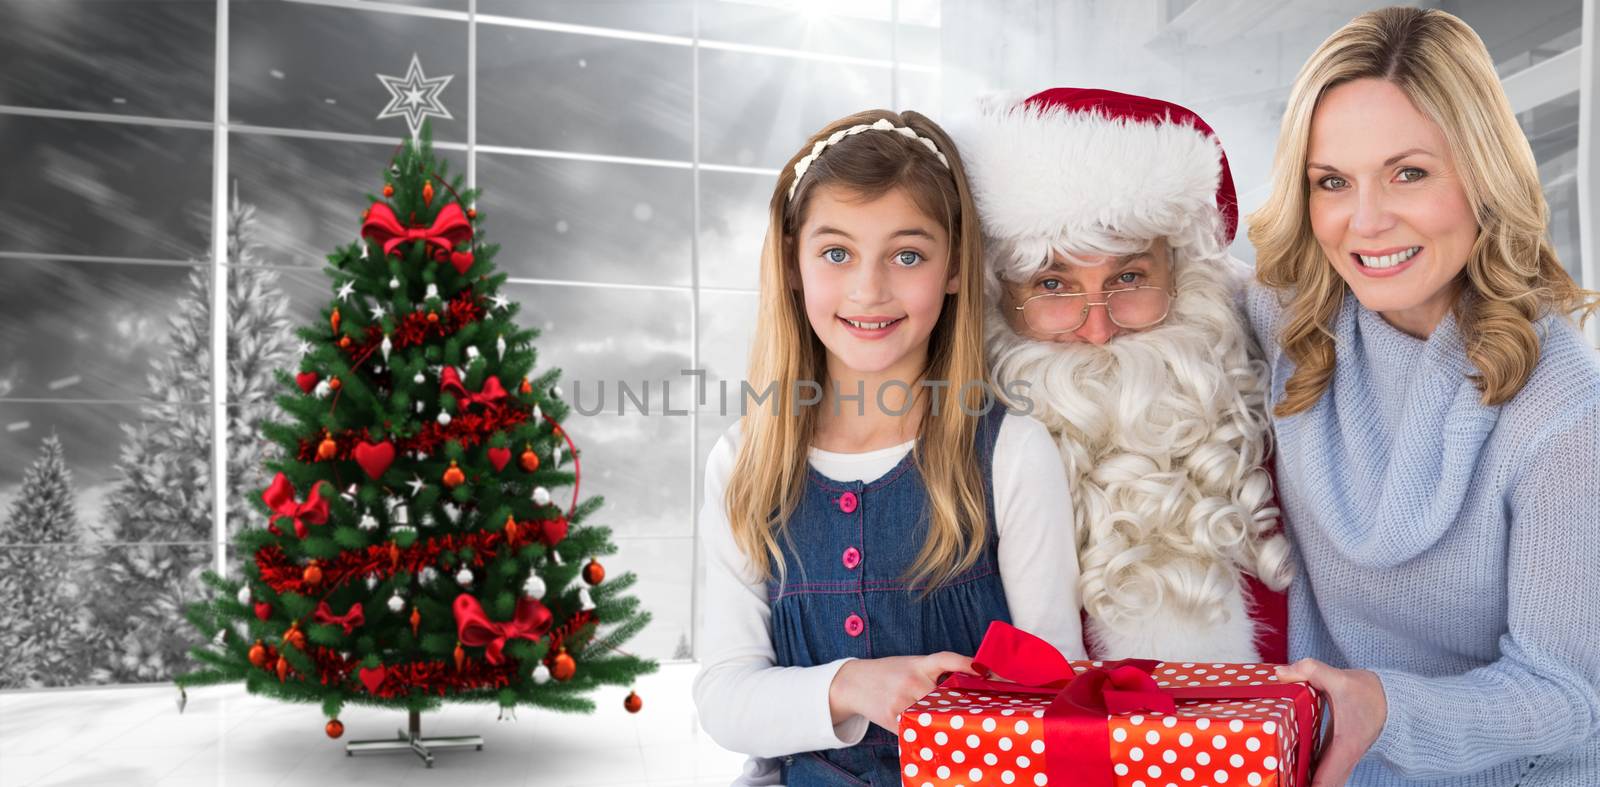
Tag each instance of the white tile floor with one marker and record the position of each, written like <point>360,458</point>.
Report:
<point>226,737</point>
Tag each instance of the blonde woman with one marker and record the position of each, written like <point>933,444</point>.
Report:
<point>1437,416</point>
<point>864,525</point>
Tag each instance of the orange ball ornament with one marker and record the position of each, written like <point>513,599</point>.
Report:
<point>258,655</point>
<point>594,573</point>
<point>312,575</point>
<point>562,667</point>
<point>344,342</point>
<point>433,316</point>
<point>529,459</point>
<point>327,449</point>
<point>388,190</point>
<point>472,213</point>
<point>632,702</point>
<point>333,382</point>
<point>453,477</point>
<point>335,728</point>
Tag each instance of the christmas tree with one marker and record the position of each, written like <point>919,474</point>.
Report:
<point>46,633</point>
<point>413,549</point>
<point>164,494</point>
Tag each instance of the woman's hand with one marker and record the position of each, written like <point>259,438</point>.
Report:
<point>880,689</point>
<point>1359,708</point>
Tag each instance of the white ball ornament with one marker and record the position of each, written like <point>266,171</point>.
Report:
<point>396,603</point>
<point>464,576</point>
<point>244,596</point>
<point>541,675</point>
<point>534,587</point>
<point>541,496</point>
<point>444,419</point>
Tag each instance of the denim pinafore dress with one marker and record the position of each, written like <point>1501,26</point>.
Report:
<point>850,547</point>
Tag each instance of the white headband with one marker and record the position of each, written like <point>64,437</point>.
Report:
<point>882,124</point>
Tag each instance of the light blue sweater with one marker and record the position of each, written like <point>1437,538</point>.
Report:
<point>1451,548</point>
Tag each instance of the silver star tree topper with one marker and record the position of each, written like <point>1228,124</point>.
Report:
<point>415,96</point>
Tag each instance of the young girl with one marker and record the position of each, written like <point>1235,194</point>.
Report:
<point>864,524</point>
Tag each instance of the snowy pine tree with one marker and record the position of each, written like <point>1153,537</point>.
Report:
<point>44,631</point>
<point>165,492</point>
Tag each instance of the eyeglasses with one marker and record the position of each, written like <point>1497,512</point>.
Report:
<point>1064,312</point>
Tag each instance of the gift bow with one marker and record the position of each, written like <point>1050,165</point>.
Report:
<point>474,628</point>
<point>449,228</point>
<point>450,381</point>
<point>348,621</point>
<point>280,498</point>
<point>1077,737</point>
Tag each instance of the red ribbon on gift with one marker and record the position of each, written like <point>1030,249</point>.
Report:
<point>449,229</point>
<point>531,621</point>
<point>489,396</point>
<point>1077,738</point>
<point>348,621</point>
<point>280,498</point>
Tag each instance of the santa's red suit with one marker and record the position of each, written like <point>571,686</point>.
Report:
<point>1163,430</point>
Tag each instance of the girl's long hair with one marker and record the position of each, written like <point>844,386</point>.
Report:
<point>769,474</point>
<point>1512,276</point>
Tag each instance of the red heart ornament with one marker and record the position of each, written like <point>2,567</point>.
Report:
<point>551,531</point>
<point>374,458</point>
<point>263,610</point>
<point>307,380</point>
<point>461,261</point>
<point>499,457</point>
<point>372,677</point>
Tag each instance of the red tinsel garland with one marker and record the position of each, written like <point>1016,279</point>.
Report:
<point>415,328</point>
<point>284,576</point>
<point>468,429</point>
<point>433,677</point>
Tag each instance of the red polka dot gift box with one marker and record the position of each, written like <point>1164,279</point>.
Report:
<point>1043,721</point>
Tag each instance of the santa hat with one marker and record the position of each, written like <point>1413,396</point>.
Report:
<point>1079,162</point>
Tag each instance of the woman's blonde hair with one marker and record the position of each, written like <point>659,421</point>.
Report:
<point>770,471</point>
<point>1512,276</point>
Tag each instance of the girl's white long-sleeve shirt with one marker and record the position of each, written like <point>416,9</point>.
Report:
<point>748,704</point>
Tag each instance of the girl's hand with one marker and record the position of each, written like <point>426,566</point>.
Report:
<point>880,689</point>
<point>1359,708</point>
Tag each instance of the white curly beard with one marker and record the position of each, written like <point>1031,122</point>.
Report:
<point>1163,433</point>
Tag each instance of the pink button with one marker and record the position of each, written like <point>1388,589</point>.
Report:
<point>847,502</point>
<point>854,625</point>
<point>852,557</point>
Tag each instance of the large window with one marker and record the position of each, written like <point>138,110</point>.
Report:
<point>626,150</point>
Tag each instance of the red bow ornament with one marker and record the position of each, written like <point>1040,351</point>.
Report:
<point>280,498</point>
<point>474,628</point>
<point>348,621</point>
<point>489,396</point>
<point>449,229</point>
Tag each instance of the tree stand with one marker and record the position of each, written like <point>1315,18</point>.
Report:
<point>412,740</point>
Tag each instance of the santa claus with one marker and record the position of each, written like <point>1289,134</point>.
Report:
<point>1115,307</point>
